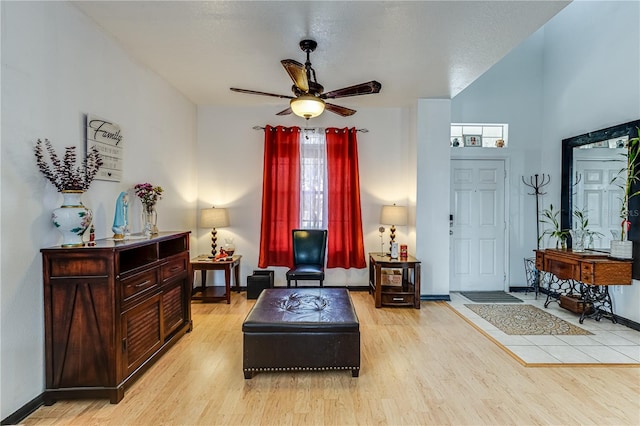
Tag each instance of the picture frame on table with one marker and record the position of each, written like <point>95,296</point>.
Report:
<point>472,140</point>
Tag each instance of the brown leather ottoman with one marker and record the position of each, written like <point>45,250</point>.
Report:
<point>301,330</point>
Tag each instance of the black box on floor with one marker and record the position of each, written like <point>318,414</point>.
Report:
<point>257,282</point>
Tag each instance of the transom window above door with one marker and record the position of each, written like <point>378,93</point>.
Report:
<point>469,135</point>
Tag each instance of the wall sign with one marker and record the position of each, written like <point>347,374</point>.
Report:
<point>106,136</point>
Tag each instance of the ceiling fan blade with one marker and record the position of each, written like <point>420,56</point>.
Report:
<point>359,89</point>
<point>340,110</point>
<point>285,112</point>
<point>297,72</point>
<point>253,92</point>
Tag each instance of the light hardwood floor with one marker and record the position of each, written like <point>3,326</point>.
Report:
<point>419,367</point>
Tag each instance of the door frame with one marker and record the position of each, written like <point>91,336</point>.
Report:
<point>490,155</point>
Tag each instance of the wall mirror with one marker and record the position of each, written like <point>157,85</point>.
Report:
<point>589,163</point>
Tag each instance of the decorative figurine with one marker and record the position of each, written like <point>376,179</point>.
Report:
<point>125,214</point>
<point>92,235</point>
<point>120,217</point>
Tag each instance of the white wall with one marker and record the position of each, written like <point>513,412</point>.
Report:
<point>230,157</point>
<point>511,92</point>
<point>432,205</point>
<point>591,81</point>
<point>56,67</point>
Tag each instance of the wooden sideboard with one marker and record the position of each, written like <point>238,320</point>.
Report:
<point>586,275</point>
<point>588,267</point>
<point>111,310</point>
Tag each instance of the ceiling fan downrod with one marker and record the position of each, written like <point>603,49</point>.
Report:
<point>309,46</point>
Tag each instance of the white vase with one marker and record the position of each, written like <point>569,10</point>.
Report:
<point>72,219</point>
<point>621,249</point>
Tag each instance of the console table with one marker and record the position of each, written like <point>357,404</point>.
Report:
<point>213,293</point>
<point>406,294</point>
<point>111,310</point>
<point>590,273</point>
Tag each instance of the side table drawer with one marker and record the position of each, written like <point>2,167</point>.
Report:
<point>397,298</point>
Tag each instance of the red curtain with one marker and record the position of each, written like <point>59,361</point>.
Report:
<point>345,246</point>
<point>280,195</point>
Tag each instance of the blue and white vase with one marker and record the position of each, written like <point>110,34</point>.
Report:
<point>72,219</point>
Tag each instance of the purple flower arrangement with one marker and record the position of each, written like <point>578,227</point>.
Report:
<point>148,194</point>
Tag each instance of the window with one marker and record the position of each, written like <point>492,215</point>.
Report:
<point>304,173</point>
<point>479,135</point>
<point>313,178</point>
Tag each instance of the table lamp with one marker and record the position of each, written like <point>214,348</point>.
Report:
<point>214,218</point>
<point>393,215</point>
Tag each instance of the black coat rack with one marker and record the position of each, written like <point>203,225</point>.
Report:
<point>537,184</point>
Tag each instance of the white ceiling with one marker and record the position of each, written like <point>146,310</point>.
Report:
<point>416,49</point>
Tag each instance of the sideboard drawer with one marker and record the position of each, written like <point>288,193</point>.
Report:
<point>79,265</point>
<point>563,269</point>
<point>174,267</point>
<point>138,283</point>
<point>586,272</point>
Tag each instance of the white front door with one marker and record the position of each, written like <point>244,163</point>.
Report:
<point>478,228</point>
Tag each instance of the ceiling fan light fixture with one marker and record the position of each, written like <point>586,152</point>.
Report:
<point>307,106</point>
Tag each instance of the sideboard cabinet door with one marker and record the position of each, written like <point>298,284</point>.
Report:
<point>142,333</point>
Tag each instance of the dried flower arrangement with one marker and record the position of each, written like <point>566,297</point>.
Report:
<point>148,194</point>
<point>64,175</point>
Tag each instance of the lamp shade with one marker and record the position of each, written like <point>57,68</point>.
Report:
<point>393,215</point>
<point>307,106</point>
<point>214,218</point>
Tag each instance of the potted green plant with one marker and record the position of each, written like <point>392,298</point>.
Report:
<point>626,179</point>
<point>550,217</point>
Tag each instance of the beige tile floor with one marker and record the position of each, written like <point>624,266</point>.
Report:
<point>609,344</point>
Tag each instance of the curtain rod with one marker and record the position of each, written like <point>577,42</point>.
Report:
<point>357,130</point>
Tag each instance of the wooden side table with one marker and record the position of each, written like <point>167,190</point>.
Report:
<point>215,293</point>
<point>405,294</point>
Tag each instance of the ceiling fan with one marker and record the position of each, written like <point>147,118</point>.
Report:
<point>309,99</point>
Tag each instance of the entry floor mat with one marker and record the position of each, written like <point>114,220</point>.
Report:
<point>525,320</point>
<point>490,297</point>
